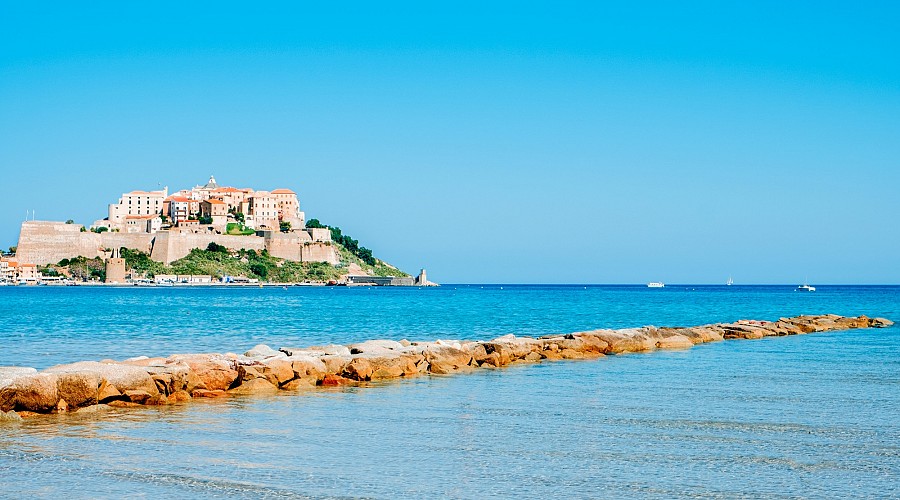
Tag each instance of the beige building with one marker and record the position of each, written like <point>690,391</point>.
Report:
<point>178,209</point>
<point>14,271</point>
<point>217,210</point>
<point>262,211</point>
<point>136,203</point>
<point>235,199</point>
<point>289,208</point>
<point>143,223</point>
<point>6,275</point>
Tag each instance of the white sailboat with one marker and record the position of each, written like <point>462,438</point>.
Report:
<point>805,287</point>
<point>656,284</point>
<point>730,281</point>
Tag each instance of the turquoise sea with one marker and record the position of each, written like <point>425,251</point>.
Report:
<point>795,417</point>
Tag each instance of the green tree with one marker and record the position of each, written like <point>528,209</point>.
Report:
<point>215,247</point>
<point>259,269</point>
<point>285,226</point>
<point>239,216</point>
<point>315,224</point>
<point>70,221</point>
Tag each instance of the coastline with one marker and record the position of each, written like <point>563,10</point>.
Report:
<point>90,386</point>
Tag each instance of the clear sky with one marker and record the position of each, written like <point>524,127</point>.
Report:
<point>556,142</point>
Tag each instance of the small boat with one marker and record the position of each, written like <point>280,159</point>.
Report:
<point>656,284</point>
<point>806,288</point>
<point>729,282</point>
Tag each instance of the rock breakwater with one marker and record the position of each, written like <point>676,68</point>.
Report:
<point>88,386</point>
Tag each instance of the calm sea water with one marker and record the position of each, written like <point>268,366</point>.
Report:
<point>807,416</point>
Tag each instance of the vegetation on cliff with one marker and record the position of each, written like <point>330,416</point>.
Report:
<point>350,252</point>
<point>218,261</point>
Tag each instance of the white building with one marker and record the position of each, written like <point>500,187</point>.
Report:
<point>136,203</point>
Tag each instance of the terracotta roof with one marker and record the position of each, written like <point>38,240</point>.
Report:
<point>226,190</point>
<point>283,191</point>
<point>177,198</point>
<point>214,201</point>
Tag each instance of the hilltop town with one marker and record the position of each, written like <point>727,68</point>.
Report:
<point>202,235</point>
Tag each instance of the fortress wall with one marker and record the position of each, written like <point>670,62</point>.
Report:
<point>318,252</point>
<point>44,242</point>
<point>320,234</point>
<point>286,246</point>
<point>134,241</point>
<point>170,246</point>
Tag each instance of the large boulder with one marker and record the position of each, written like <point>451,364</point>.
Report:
<point>379,346</point>
<point>10,373</point>
<point>745,331</point>
<point>254,386</point>
<point>308,370</point>
<point>628,339</point>
<point>445,359</point>
<point>171,377</point>
<point>674,342</point>
<point>403,365</point>
<point>78,389</point>
<point>509,348</point>
<point>881,322</point>
<point>215,371</point>
<point>262,351</point>
<point>37,393</point>
<point>335,364</point>
<point>317,351</point>
<point>124,377</point>
<point>279,370</point>
<point>359,368</point>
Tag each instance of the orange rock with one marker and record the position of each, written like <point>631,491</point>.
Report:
<point>333,380</point>
<point>107,392</point>
<point>122,404</point>
<point>255,386</point>
<point>179,397</point>
<point>78,389</point>
<point>674,342</point>
<point>36,393</point>
<point>445,359</point>
<point>140,397</point>
<point>206,393</point>
<point>358,368</point>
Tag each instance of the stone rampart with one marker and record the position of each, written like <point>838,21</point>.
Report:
<point>171,246</point>
<point>318,252</point>
<point>44,242</point>
<point>134,241</point>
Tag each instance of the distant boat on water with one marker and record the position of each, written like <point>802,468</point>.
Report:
<point>656,284</point>
<point>730,281</point>
<point>806,288</point>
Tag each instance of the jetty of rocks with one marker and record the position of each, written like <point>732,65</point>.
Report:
<point>88,386</point>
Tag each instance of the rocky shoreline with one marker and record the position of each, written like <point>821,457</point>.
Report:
<point>89,386</point>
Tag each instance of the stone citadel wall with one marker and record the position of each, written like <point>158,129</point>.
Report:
<point>43,242</point>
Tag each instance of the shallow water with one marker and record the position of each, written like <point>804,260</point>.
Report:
<point>805,416</point>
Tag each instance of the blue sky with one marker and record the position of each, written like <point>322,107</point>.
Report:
<point>539,143</point>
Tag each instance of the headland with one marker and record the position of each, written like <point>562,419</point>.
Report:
<point>202,235</point>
